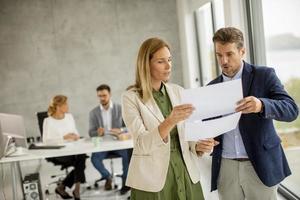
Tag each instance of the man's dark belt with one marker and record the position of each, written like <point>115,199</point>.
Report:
<point>241,159</point>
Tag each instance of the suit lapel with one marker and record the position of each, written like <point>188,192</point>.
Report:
<point>247,78</point>
<point>219,79</point>
<point>113,116</point>
<point>100,117</point>
<point>154,109</point>
<point>175,100</point>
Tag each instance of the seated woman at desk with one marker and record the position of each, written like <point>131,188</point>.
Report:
<point>57,128</point>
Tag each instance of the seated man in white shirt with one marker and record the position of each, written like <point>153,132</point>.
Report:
<point>106,118</point>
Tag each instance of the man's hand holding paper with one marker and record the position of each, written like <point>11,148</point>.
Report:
<point>249,104</point>
<point>215,109</point>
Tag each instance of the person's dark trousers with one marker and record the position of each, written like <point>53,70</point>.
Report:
<point>97,160</point>
<point>129,154</point>
<point>77,174</point>
<point>125,163</point>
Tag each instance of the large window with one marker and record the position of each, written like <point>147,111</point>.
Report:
<point>209,17</point>
<point>282,38</point>
<point>205,30</point>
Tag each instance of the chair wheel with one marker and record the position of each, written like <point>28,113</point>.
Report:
<point>96,185</point>
<point>47,192</point>
<point>88,187</point>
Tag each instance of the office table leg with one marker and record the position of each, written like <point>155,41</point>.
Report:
<point>15,171</point>
<point>14,180</point>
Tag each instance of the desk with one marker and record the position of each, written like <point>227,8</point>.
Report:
<point>81,146</point>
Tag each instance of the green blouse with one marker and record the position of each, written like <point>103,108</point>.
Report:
<point>178,185</point>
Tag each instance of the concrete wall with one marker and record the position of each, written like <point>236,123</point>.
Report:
<point>50,47</point>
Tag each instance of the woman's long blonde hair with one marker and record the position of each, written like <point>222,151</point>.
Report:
<point>57,100</point>
<point>143,83</point>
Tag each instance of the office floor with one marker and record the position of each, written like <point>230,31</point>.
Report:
<point>47,169</point>
<point>99,193</point>
<point>95,195</point>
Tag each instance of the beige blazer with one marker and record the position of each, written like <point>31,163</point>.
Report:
<point>150,158</point>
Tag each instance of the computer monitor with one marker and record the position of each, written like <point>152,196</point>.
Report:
<point>13,125</point>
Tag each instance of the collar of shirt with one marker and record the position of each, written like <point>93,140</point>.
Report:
<point>161,91</point>
<point>111,105</point>
<point>236,76</point>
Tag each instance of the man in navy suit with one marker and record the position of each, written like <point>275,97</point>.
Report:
<point>249,162</point>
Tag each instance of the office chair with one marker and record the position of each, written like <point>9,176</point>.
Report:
<point>41,116</point>
<point>111,155</point>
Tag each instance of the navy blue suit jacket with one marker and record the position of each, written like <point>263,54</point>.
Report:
<point>261,141</point>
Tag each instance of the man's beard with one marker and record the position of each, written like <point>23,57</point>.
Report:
<point>104,104</point>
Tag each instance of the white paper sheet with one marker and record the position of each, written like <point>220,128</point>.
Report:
<point>209,129</point>
<point>212,101</point>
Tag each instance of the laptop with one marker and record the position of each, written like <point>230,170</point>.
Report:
<point>13,126</point>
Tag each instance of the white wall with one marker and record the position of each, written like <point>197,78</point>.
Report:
<point>50,47</point>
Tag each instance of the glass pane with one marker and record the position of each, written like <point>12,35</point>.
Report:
<point>204,20</point>
<point>282,34</point>
<point>218,10</point>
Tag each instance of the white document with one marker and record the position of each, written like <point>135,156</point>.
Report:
<point>214,101</point>
<point>209,129</point>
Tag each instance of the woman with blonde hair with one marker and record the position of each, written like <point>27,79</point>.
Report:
<point>163,165</point>
<point>57,128</point>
